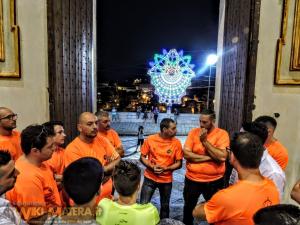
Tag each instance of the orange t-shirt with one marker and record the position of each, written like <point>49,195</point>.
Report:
<point>100,149</point>
<point>161,152</point>
<point>279,153</point>
<point>12,144</point>
<point>238,203</point>
<point>35,191</point>
<point>205,171</point>
<point>113,137</point>
<point>56,162</point>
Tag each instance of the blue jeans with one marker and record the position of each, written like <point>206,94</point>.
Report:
<point>165,189</point>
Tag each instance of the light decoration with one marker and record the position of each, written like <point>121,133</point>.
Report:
<point>171,74</point>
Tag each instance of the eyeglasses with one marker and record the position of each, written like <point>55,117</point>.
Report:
<point>10,117</point>
<point>38,138</point>
<point>44,131</point>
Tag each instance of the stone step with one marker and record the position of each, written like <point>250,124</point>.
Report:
<point>184,118</point>
<point>131,128</point>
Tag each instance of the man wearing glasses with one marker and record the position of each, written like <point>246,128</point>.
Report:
<point>9,138</point>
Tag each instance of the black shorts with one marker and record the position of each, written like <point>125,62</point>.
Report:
<point>140,142</point>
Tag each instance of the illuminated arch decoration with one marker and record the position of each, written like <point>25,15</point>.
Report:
<point>171,74</point>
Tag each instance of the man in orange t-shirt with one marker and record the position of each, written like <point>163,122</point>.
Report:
<point>35,193</point>
<point>89,144</point>
<point>238,203</point>
<point>56,162</point>
<point>9,138</point>
<point>205,153</point>
<point>274,147</point>
<point>106,131</point>
<point>161,154</point>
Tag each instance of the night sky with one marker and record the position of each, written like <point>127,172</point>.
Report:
<point>130,32</point>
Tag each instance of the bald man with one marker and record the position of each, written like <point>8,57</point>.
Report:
<point>9,138</point>
<point>90,144</point>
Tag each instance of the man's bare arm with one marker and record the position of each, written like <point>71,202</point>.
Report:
<point>174,166</point>
<point>38,220</point>
<point>193,157</point>
<point>121,151</point>
<point>146,162</point>
<point>295,194</point>
<point>219,155</point>
<point>199,212</point>
<point>110,166</point>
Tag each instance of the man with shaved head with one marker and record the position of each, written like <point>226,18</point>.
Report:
<point>90,144</point>
<point>9,138</point>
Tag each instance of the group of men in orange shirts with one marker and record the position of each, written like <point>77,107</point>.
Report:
<point>204,150</point>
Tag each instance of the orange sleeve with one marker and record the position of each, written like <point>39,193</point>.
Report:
<point>223,141</point>
<point>189,143</point>
<point>56,162</point>
<point>179,152</point>
<point>71,154</point>
<point>145,147</point>
<point>215,209</point>
<point>17,143</point>
<point>29,198</point>
<point>110,150</point>
<point>117,140</point>
<point>8,146</point>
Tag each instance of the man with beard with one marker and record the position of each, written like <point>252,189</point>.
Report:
<point>9,138</point>
<point>161,154</point>
<point>205,153</point>
<point>273,145</point>
<point>89,144</point>
<point>106,131</point>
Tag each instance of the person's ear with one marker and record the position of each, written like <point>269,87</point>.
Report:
<point>79,127</point>
<point>34,150</point>
<point>232,158</point>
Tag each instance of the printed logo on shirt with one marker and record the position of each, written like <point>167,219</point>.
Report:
<point>99,211</point>
<point>268,202</point>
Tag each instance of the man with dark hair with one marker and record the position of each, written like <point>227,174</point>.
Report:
<point>35,193</point>
<point>126,177</point>
<point>8,176</point>
<point>9,138</point>
<point>274,147</point>
<point>89,144</point>
<point>106,131</point>
<point>278,215</point>
<point>87,171</point>
<point>268,166</point>
<point>161,154</point>
<point>237,204</point>
<point>205,153</point>
<point>56,162</point>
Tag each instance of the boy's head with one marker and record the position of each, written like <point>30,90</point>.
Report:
<point>82,179</point>
<point>126,177</point>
